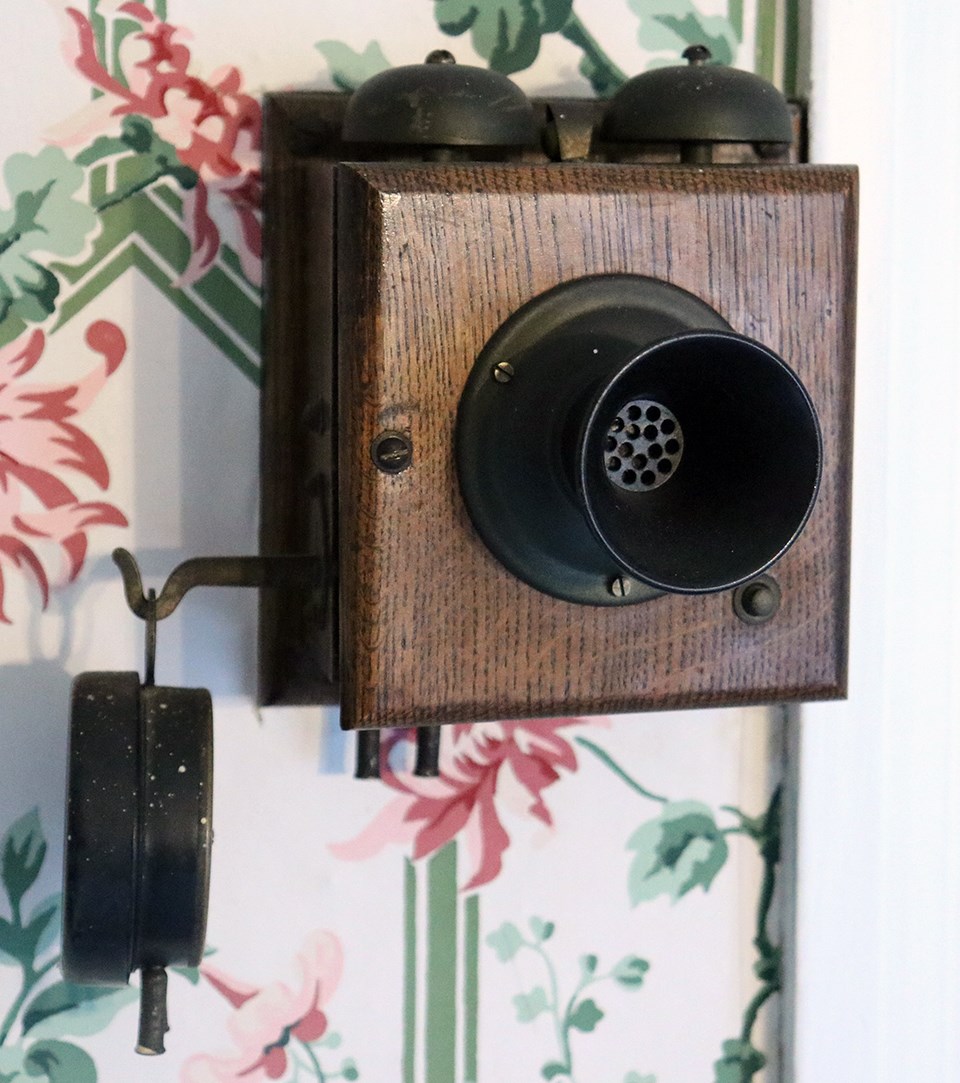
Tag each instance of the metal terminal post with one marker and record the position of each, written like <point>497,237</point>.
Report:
<point>153,1011</point>
<point>428,752</point>
<point>150,640</point>
<point>368,754</point>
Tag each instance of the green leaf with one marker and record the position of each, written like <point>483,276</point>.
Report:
<point>554,1069</point>
<point>137,137</point>
<point>679,850</point>
<point>11,943</point>
<point>11,1063</point>
<point>506,941</point>
<point>61,1062</point>
<point>77,1010</point>
<point>631,970</point>
<point>138,134</point>
<point>23,943</point>
<point>44,221</point>
<point>46,915</point>
<point>672,25</point>
<point>191,973</point>
<point>542,930</point>
<point>348,68</point>
<point>588,966</point>
<point>506,33</point>
<point>349,1070</point>
<point>530,1005</point>
<point>332,1040</point>
<point>585,1016</point>
<point>635,1077</point>
<point>24,849</point>
<point>186,177</point>
<point>104,146</point>
<point>739,1064</point>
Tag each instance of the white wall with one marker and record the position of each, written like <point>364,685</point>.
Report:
<point>878,976</point>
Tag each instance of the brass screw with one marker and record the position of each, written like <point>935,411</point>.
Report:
<point>503,372</point>
<point>619,587</point>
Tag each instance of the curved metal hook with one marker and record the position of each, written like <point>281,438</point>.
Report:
<point>214,572</point>
<point>132,583</point>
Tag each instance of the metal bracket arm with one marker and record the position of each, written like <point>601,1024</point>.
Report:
<point>214,572</point>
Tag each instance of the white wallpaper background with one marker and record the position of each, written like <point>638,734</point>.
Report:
<point>589,956</point>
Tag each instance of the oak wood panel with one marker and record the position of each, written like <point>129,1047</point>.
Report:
<point>432,260</point>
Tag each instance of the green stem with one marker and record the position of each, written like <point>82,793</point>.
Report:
<point>605,76</point>
<point>554,1002</point>
<point>314,1063</point>
<point>753,1010</point>
<point>768,839</point>
<point>607,759</point>
<point>113,198</point>
<point>762,942</point>
<point>585,983</point>
<point>30,979</point>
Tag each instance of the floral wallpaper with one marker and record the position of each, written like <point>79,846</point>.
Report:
<point>577,900</point>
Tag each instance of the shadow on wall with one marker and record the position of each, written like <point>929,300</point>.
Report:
<point>33,734</point>
<point>195,462</point>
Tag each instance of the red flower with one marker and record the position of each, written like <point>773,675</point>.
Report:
<point>267,1019</point>
<point>40,514</point>
<point>483,767</point>
<point>213,125</point>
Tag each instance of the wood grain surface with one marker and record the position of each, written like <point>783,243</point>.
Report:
<point>432,259</point>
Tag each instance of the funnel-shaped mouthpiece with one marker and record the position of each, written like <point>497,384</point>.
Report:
<point>724,467</point>
<point>617,440</point>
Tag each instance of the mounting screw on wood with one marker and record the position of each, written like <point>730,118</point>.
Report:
<point>392,452</point>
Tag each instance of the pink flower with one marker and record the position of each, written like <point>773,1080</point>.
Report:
<point>483,768</point>
<point>267,1019</point>
<point>40,514</point>
<point>214,126</point>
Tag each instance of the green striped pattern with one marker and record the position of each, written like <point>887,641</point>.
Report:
<point>145,232</point>
<point>780,42</point>
<point>441,973</point>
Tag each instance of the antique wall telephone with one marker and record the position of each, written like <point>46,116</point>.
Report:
<point>556,420</point>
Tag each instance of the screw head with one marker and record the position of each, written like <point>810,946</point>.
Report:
<point>503,372</point>
<point>440,56</point>
<point>392,452</point>
<point>757,601</point>
<point>619,587</point>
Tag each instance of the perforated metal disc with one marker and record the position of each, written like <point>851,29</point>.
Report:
<point>644,446</point>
